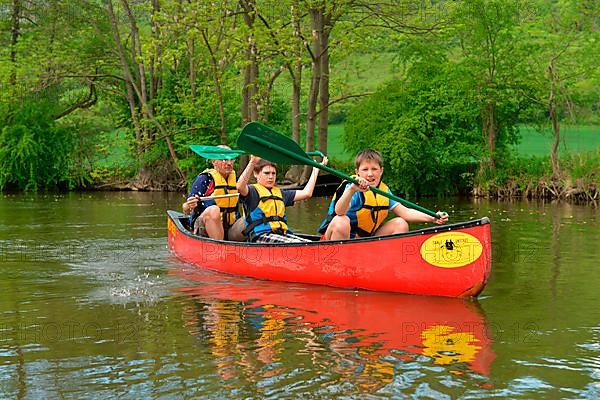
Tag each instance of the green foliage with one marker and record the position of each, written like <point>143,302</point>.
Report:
<point>35,152</point>
<point>583,166</point>
<point>559,41</point>
<point>189,120</point>
<point>110,154</point>
<point>469,61</point>
<point>426,128</point>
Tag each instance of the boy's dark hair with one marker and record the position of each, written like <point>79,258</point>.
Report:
<point>368,155</point>
<point>263,163</point>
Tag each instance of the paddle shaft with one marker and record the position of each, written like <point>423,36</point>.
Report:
<point>306,160</point>
<point>221,196</point>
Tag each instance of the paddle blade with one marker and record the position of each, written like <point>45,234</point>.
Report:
<point>267,143</point>
<point>215,152</point>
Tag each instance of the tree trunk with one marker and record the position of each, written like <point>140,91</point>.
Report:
<point>129,82</point>
<point>313,94</point>
<point>316,16</point>
<point>296,93</point>
<point>134,115</point>
<point>490,133</point>
<point>192,57</point>
<point>138,86</point>
<point>214,63</point>
<point>295,172</point>
<point>324,92</point>
<point>246,97</point>
<point>266,98</point>
<point>137,58</point>
<point>15,32</point>
<point>253,82</point>
<point>296,73</point>
<point>155,60</point>
<point>552,107</point>
<point>250,89</point>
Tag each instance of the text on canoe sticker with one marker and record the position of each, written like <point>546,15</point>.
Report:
<point>451,249</point>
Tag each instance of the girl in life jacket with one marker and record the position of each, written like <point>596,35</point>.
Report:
<point>265,203</point>
<point>355,211</point>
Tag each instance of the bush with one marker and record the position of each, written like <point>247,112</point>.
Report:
<point>426,129</point>
<point>35,152</point>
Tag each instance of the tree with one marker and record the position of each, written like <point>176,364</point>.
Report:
<point>135,64</point>
<point>561,39</point>
<point>49,74</point>
<point>486,31</point>
<point>425,125</point>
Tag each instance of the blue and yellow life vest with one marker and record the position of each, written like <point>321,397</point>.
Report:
<point>269,215</point>
<point>366,220</point>
<point>228,205</point>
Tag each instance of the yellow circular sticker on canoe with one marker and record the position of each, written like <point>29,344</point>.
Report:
<point>451,249</point>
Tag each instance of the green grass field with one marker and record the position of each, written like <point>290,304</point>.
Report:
<point>356,74</point>
<point>334,143</point>
<point>574,139</point>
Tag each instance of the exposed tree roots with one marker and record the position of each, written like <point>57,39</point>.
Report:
<point>544,188</point>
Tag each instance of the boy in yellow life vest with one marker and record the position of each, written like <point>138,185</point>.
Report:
<point>265,203</point>
<point>215,218</point>
<point>356,211</point>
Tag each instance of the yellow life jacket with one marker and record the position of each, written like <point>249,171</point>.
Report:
<point>269,215</point>
<point>228,205</point>
<point>373,211</point>
<point>367,219</point>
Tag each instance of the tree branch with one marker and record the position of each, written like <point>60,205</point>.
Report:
<point>343,98</point>
<point>87,102</point>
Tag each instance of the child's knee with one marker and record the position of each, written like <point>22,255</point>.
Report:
<point>212,213</point>
<point>400,225</point>
<point>340,224</point>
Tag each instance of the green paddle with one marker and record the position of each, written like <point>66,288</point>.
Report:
<point>215,152</point>
<point>219,153</point>
<point>263,141</point>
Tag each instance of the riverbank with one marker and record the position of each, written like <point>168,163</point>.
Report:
<point>579,191</point>
<point>523,177</point>
<point>532,178</point>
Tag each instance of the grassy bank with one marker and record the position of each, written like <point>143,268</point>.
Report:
<point>530,173</point>
<point>574,139</point>
<point>532,177</point>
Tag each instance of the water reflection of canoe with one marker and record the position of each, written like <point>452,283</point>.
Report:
<point>449,331</point>
<point>451,260</point>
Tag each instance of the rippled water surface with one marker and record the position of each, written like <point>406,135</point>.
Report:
<point>92,305</point>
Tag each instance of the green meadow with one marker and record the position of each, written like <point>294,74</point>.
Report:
<point>574,139</point>
<point>335,148</point>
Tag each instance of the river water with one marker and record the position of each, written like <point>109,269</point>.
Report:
<point>93,305</point>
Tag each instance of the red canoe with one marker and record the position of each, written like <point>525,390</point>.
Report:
<point>450,260</point>
<point>450,331</point>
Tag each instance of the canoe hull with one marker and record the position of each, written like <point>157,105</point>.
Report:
<point>451,260</point>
